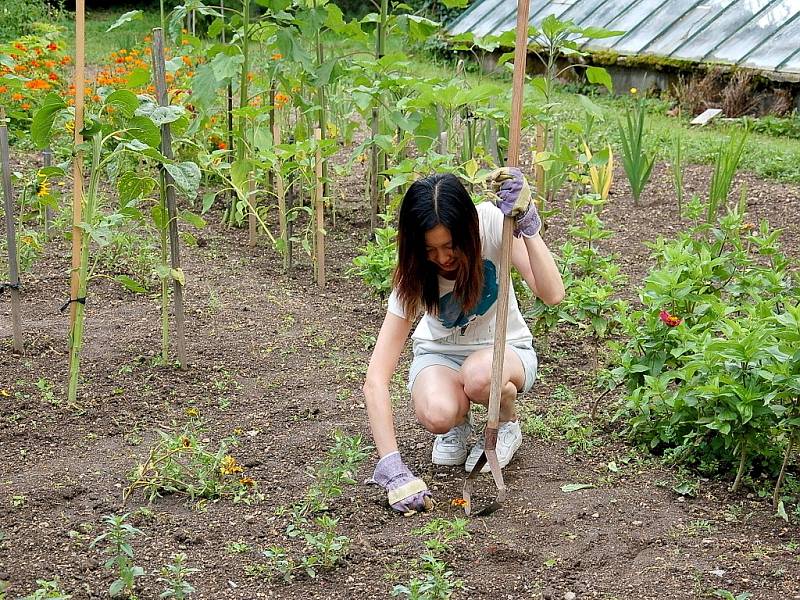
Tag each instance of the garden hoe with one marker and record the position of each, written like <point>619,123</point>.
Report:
<point>490,432</point>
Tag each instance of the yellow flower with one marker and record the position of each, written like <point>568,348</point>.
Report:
<point>238,431</point>
<point>634,91</point>
<point>5,393</point>
<point>229,466</point>
<point>247,481</point>
<point>192,412</point>
<point>44,188</point>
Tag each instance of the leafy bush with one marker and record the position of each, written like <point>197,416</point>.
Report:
<point>18,16</point>
<point>705,364</point>
<point>377,260</point>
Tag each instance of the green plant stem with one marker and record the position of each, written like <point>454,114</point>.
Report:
<point>740,472</point>
<point>776,495</point>
<point>76,335</point>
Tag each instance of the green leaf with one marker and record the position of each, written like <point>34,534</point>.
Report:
<point>131,284</point>
<point>132,185</point>
<point>138,77</point>
<point>166,114</point>
<point>44,118</point>
<point>186,176</point>
<point>116,588</point>
<point>599,75</point>
<point>193,219</point>
<point>124,101</point>
<point>204,86</point>
<point>782,512</point>
<point>159,216</point>
<point>455,3</point>
<point>132,15</point>
<point>208,201</point>
<point>240,173</point>
<point>225,66</point>
<point>179,276</point>
<point>143,129</point>
<point>574,487</point>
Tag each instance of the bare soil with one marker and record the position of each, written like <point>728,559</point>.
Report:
<point>281,362</point>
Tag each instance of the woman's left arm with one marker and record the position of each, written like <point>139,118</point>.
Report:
<point>547,283</point>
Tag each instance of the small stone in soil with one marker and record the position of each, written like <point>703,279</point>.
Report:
<point>569,596</point>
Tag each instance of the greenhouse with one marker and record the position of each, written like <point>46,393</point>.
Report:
<point>756,34</point>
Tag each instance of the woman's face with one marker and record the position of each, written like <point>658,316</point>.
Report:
<point>439,248</point>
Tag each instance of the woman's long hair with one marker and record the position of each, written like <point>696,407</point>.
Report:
<point>437,200</point>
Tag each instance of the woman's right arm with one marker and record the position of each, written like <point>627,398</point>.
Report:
<point>388,347</point>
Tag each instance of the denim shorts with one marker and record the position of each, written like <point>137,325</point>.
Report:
<point>455,357</point>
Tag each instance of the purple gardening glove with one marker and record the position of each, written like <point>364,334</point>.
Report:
<point>513,198</point>
<point>407,494</point>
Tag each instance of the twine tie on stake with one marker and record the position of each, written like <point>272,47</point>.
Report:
<point>66,304</point>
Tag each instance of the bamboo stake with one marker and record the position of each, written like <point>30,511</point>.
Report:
<point>47,161</point>
<point>11,238</point>
<point>159,76</point>
<point>281,196</point>
<point>77,165</point>
<point>318,210</point>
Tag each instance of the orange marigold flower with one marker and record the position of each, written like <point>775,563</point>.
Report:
<point>247,481</point>
<point>221,145</point>
<point>52,46</point>
<point>95,98</point>
<point>37,84</point>
<point>20,68</point>
<point>122,51</point>
<point>52,77</point>
<point>3,89</point>
<point>148,39</point>
<point>21,47</point>
<point>66,60</point>
<point>25,106</point>
<point>668,319</point>
<point>187,60</point>
<point>38,51</point>
<point>35,64</point>
<point>250,76</point>
<point>185,42</point>
<point>50,64</point>
<point>277,56</point>
<point>16,96</point>
<point>458,502</point>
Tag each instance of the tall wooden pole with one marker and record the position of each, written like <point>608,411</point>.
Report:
<point>77,165</point>
<point>318,210</point>
<point>159,76</point>
<point>11,238</point>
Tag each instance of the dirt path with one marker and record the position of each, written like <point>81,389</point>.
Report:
<point>281,365</point>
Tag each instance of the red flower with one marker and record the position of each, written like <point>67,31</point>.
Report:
<point>52,46</point>
<point>669,320</point>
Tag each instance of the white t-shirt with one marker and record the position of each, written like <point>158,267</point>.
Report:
<point>476,329</point>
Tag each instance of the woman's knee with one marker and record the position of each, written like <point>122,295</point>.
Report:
<point>477,380</point>
<point>438,417</point>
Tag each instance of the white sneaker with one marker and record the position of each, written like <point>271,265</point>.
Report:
<point>509,439</point>
<point>450,448</point>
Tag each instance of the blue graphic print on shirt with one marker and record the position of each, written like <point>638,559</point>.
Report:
<point>451,313</point>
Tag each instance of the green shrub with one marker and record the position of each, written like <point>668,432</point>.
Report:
<point>377,260</point>
<point>18,16</point>
<point>703,360</point>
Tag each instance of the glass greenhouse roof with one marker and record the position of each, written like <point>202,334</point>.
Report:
<point>758,34</point>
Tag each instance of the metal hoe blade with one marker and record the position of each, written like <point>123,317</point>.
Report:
<point>488,455</point>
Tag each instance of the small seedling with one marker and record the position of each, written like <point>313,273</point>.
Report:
<point>45,590</point>
<point>175,577</point>
<point>118,536</point>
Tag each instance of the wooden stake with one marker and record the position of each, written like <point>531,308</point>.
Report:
<point>159,76</point>
<point>281,196</point>
<point>515,133</point>
<point>11,238</point>
<point>77,165</point>
<point>318,210</point>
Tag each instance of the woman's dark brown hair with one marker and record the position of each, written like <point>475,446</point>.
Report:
<point>437,200</point>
